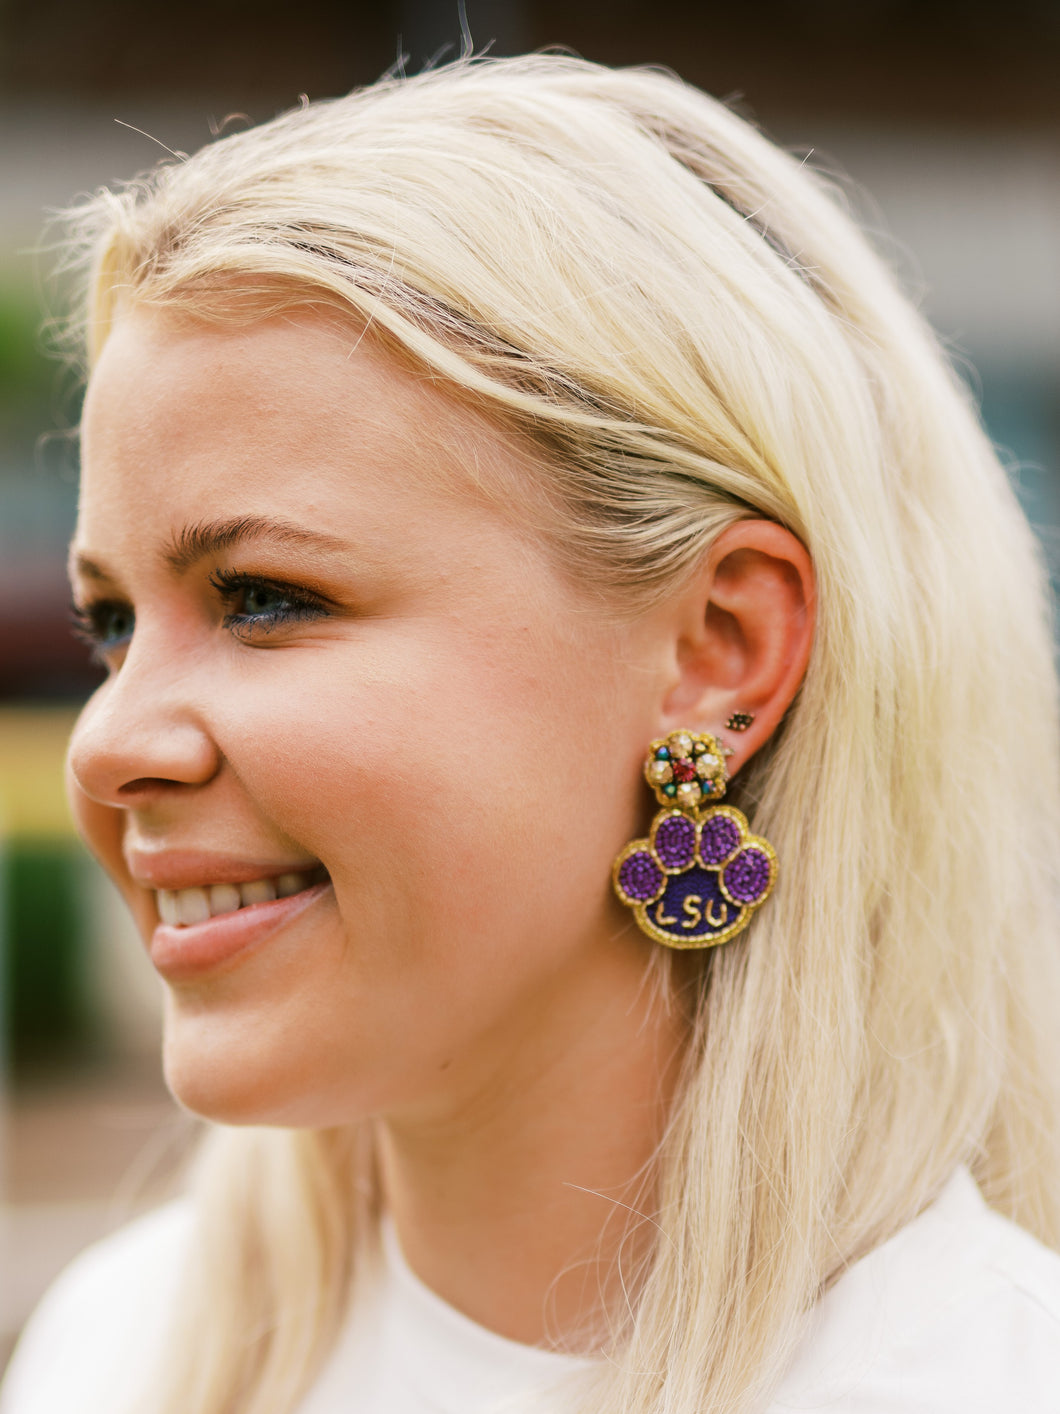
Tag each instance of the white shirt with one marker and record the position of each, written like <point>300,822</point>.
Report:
<point>959,1313</point>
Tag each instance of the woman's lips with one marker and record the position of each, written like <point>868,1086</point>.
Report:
<point>197,903</point>
<point>182,952</point>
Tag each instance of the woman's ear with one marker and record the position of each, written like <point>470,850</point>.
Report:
<point>744,629</point>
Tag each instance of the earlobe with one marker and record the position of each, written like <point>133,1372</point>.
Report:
<point>744,636</point>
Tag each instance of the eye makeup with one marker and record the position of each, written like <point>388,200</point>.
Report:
<point>257,603</point>
<point>104,624</point>
<point>254,605</point>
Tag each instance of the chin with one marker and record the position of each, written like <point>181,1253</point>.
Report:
<point>223,1094</point>
<point>221,1077</point>
<point>233,1072</point>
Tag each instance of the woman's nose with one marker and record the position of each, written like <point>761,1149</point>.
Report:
<point>141,733</point>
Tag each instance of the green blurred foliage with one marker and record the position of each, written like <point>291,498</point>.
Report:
<point>28,376</point>
<point>42,923</point>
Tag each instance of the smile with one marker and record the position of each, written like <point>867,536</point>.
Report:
<point>183,908</point>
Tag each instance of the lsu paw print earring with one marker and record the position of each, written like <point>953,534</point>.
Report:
<point>699,876</point>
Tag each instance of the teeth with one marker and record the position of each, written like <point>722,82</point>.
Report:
<point>193,906</point>
<point>258,891</point>
<point>224,898</point>
<point>167,907</point>
<point>183,907</point>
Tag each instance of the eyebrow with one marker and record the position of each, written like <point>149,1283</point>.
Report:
<point>194,542</point>
<point>86,568</point>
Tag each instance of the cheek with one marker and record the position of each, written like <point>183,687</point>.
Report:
<point>433,756</point>
<point>469,832</point>
<point>460,810</point>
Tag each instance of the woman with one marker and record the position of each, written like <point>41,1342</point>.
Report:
<point>475,467</point>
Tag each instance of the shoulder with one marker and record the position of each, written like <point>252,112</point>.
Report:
<point>101,1323</point>
<point>959,1313</point>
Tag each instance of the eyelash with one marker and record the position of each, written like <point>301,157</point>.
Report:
<point>89,623</point>
<point>93,622</point>
<point>301,605</point>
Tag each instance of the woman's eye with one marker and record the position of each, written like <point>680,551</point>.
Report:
<point>263,599</point>
<point>255,604</point>
<point>103,625</point>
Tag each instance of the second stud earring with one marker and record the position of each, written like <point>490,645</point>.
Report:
<point>740,721</point>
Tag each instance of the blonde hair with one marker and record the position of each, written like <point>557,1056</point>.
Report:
<point>688,324</point>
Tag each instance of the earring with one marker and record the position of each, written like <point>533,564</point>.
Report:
<point>699,876</point>
<point>740,721</point>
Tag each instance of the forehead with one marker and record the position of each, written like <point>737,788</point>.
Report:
<point>295,408</point>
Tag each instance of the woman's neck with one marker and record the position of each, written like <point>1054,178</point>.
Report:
<point>524,1196</point>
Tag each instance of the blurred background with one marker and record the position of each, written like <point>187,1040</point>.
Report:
<point>945,117</point>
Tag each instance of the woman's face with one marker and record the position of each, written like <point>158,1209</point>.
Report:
<point>339,675</point>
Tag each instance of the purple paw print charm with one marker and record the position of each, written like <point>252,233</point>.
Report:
<point>698,878</point>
